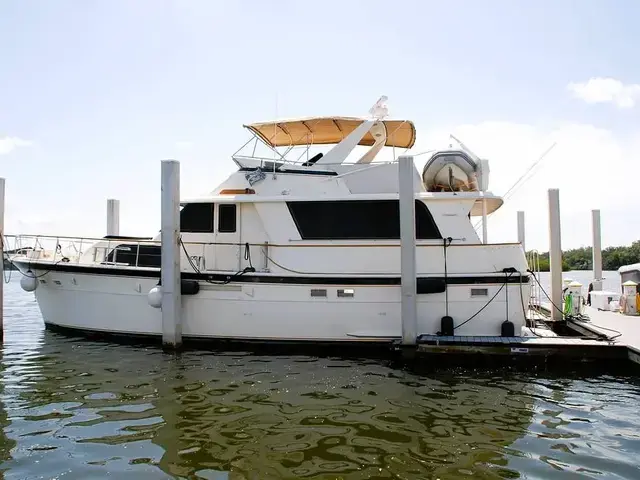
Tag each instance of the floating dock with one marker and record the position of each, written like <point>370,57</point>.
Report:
<point>602,337</point>
<point>624,328</point>
<point>559,350</point>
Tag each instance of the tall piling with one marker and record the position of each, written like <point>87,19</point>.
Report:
<point>596,250</point>
<point>521,238</point>
<point>170,256</point>
<point>555,254</point>
<point>406,193</point>
<point>2,249</point>
<point>113,217</point>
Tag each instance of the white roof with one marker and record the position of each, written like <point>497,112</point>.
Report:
<point>629,268</point>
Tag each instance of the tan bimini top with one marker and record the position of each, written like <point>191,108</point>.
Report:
<point>330,130</point>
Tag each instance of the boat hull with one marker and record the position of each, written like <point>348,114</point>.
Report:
<point>269,309</point>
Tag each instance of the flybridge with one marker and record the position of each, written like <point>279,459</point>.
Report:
<point>296,142</point>
<point>338,156</point>
<point>294,147</point>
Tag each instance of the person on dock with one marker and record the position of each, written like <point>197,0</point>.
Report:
<point>589,293</point>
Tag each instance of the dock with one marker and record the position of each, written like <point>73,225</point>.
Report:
<point>624,328</point>
<point>602,337</point>
<point>554,352</point>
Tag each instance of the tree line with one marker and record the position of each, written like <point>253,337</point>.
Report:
<point>581,259</point>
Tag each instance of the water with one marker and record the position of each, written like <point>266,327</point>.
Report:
<point>73,409</point>
<point>611,281</point>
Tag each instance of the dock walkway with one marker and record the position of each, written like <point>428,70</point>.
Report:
<point>577,348</point>
<point>626,328</point>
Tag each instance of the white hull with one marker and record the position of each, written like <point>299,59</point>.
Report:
<point>311,249</point>
<point>268,312</point>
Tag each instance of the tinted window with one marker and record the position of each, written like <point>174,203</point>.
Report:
<point>227,218</point>
<point>358,220</point>
<point>133,254</point>
<point>197,218</point>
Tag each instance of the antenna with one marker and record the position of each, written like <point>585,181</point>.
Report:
<point>465,148</point>
<point>379,109</point>
<point>275,134</point>
<point>423,153</point>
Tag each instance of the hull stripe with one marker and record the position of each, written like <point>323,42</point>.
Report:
<point>497,278</point>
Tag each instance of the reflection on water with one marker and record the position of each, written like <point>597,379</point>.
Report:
<point>80,409</point>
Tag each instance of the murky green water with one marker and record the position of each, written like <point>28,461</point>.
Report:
<point>79,410</point>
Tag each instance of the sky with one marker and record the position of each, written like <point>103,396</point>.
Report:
<point>94,94</point>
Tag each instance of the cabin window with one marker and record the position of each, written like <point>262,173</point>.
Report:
<point>197,218</point>
<point>227,218</point>
<point>135,255</point>
<point>358,220</point>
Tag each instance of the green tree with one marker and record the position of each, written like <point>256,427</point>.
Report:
<point>581,258</point>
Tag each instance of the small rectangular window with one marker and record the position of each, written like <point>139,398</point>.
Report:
<point>227,218</point>
<point>346,292</point>
<point>319,292</point>
<point>479,292</point>
<point>197,218</point>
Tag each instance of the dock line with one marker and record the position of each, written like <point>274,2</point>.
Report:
<point>580,317</point>
<point>230,278</point>
<point>484,306</point>
<point>508,272</point>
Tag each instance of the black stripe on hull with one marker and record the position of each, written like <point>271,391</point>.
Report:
<point>497,278</point>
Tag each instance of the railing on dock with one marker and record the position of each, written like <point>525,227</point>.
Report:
<point>533,259</point>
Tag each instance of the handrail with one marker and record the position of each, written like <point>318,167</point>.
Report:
<point>146,254</point>
<point>533,260</point>
<point>293,244</point>
<point>297,163</point>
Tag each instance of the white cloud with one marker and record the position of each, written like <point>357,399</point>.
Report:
<point>8,144</point>
<point>603,90</point>
<point>184,144</point>
<point>589,165</point>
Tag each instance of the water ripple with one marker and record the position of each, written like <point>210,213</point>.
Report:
<point>80,409</point>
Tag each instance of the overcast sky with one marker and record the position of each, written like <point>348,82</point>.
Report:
<point>94,94</point>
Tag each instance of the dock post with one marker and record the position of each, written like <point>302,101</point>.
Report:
<point>2,259</point>
<point>555,254</point>
<point>113,217</point>
<point>170,256</point>
<point>406,195</point>
<point>596,250</point>
<point>521,229</point>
